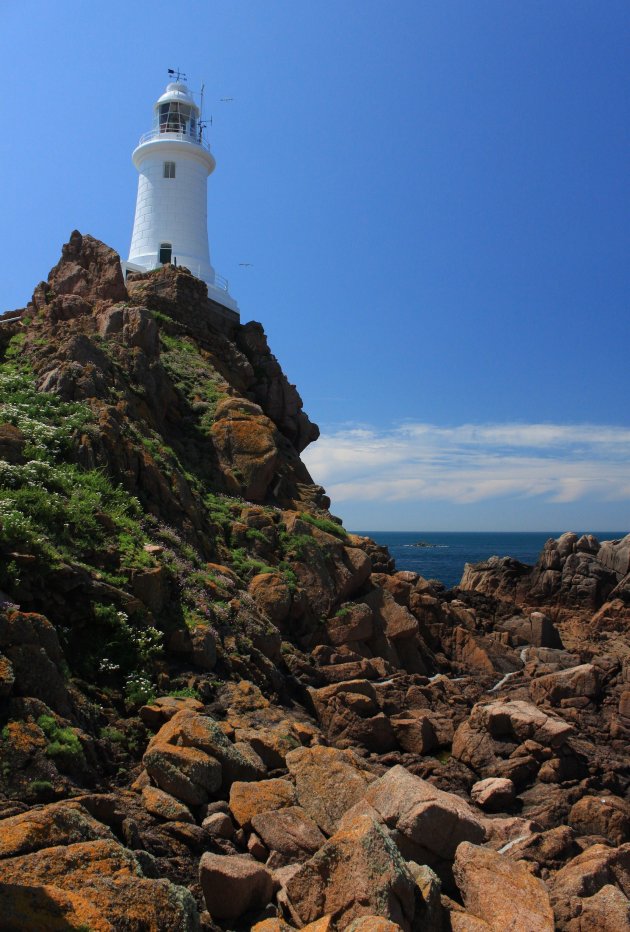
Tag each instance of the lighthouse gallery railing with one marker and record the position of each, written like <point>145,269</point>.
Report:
<point>171,134</point>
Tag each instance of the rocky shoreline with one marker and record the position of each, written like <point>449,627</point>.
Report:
<point>220,710</point>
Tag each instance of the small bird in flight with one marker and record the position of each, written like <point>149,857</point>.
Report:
<point>245,265</point>
<point>226,100</point>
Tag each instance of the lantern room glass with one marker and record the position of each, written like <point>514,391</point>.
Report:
<point>175,117</point>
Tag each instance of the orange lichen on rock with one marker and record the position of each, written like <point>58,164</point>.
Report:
<point>250,799</point>
<point>35,908</point>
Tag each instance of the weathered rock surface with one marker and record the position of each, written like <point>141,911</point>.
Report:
<point>198,663</point>
<point>427,822</point>
<point>576,683</point>
<point>328,783</point>
<point>233,886</point>
<point>608,816</point>
<point>502,893</point>
<point>586,875</point>
<point>190,757</point>
<point>112,883</point>
<point>248,800</point>
<point>493,794</point>
<point>358,872</point>
<point>167,807</point>
<point>289,833</point>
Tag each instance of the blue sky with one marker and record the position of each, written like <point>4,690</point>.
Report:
<point>434,197</point>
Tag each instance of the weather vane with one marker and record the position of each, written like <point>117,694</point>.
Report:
<point>177,74</point>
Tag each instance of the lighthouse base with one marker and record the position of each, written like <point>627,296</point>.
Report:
<point>217,293</point>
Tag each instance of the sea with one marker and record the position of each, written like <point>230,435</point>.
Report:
<point>442,554</point>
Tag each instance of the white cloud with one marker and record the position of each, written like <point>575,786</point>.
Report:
<point>473,462</point>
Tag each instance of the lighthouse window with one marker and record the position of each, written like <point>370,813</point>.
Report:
<point>169,169</point>
<point>166,251</point>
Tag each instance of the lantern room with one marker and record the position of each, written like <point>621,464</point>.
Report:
<point>177,112</point>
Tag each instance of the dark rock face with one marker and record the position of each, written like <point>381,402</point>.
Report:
<point>88,271</point>
<point>278,398</point>
<point>261,722</point>
<point>570,572</point>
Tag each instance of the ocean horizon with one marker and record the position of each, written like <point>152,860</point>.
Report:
<point>443,554</point>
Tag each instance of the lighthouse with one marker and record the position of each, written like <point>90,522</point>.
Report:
<point>171,222</point>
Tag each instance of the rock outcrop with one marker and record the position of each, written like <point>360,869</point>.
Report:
<point>219,709</point>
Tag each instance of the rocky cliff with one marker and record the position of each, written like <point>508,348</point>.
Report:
<point>220,710</point>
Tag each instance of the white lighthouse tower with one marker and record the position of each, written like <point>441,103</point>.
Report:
<point>171,222</point>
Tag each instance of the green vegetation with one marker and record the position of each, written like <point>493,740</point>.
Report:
<point>253,534</point>
<point>193,375</point>
<point>161,317</point>
<point>130,741</point>
<point>325,524</point>
<point>49,506</point>
<point>139,690</point>
<point>64,748</point>
<point>442,756</point>
<point>186,692</point>
<point>60,513</point>
<point>115,735</point>
<point>131,645</point>
<point>297,546</point>
<point>289,575</point>
<point>222,509</point>
<point>246,567</point>
<point>41,789</point>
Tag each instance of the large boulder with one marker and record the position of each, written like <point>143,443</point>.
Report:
<point>511,739</point>
<point>246,445</point>
<point>163,708</point>
<point>576,683</point>
<point>31,644</point>
<point>608,910</point>
<point>428,824</point>
<point>351,715</point>
<point>110,878</point>
<point>502,577</point>
<point>358,872</point>
<point>416,733</point>
<point>32,909</point>
<point>233,885</point>
<point>493,794</point>
<point>501,892</point>
<point>328,782</point>
<point>517,720</point>
<point>289,833</point>
<point>614,555</point>
<point>56,824</point>
<point>165,806</point>
<point>190,757</point>
<point>353,622</point>
<point>395,621</point>
<point>584,876</point>
<point>608,816</point>
<point>88,269</point>
<point>535,629</point>
<point>185,773</point>
<point>272,595</point>
<point>248,800</point>
<point>570,571</point>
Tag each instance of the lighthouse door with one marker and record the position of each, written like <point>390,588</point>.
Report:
<point>166,251</point>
